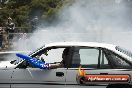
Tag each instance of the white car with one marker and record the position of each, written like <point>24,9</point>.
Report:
<point>84,63</point>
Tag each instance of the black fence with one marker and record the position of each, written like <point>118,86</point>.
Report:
<point>19,29</point>
<point>7,38</point>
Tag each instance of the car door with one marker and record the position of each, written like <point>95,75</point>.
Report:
<point>96,66</point>
<point>21,74</point>
<point>5,70</point>
<point>50,76</point>
<point>33,75</point>
<point>85,57</point>
<point>5,77</point>
<point>25,77</point>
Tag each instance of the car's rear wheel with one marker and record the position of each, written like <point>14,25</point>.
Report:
<point>119,86</point>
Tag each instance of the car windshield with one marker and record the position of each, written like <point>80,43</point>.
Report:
<point>36,51</point>
<point>127,52</point>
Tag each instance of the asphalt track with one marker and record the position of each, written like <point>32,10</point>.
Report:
<point>45,86</point>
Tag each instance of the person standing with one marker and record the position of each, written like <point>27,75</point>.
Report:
<point>5,42</point>
<point>1,37</point>
<point>10,28</point>
<point>34,23</point>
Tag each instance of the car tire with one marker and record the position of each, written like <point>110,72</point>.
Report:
<point>119,86</point>
<point>82,80</point>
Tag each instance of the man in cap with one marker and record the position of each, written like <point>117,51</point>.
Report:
<point>10,27</point>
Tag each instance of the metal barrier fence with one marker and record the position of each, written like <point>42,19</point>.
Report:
<point>20,29</point>
<point>6,37</point>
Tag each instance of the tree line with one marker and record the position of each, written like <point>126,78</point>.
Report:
<point>23,11</point>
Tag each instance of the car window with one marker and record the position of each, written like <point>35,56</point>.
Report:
<point>116,60</point>
<point>50,56</point>
<point>127,52</point>
<point>53,55</point>
<point>104,63</point>
<point>90,58</point>
<point>103,59</point>
<point>86,57</point>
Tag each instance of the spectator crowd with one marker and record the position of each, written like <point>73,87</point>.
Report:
<point>7,32</point>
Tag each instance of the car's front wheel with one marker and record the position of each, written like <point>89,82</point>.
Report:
<point>119,86</point>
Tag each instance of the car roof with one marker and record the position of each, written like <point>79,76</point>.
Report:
<point>13,52</point>
<point>85,44</point>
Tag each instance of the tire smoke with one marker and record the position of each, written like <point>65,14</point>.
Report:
<point>108,21</point>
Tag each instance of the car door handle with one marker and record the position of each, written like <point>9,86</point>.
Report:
<point>59,74</point>
<point>103,73</point>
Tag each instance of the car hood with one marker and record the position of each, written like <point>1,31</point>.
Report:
<point>6,65</point>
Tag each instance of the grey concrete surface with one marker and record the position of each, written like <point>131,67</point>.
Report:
<point>45,86</point>
<point>51,86</point>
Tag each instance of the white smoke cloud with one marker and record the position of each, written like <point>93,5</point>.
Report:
<point>87,20</point>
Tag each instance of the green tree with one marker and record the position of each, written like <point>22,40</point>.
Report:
<point>22,11</point>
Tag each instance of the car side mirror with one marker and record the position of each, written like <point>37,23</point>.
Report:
<point>13,61</point>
